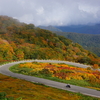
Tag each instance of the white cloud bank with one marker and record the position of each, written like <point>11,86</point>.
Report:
<point>52,12</point>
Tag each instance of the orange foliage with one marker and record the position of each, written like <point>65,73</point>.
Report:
<point>95,66</point>
<point>63,71</point>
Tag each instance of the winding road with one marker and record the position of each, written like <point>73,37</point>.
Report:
<point>4,69</point>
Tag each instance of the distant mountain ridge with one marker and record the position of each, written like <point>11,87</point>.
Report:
<point>87,29</point>
<point>51,28</point>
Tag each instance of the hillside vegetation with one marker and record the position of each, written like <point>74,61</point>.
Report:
<point>20,41</point>
<point>88,41</point>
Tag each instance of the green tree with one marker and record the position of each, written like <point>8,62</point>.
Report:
<point>85,60</point>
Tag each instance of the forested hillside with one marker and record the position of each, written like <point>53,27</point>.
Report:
<point>88,41</point>
<point>25,41</point>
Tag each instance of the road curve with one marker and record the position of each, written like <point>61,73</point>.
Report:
<point>4,69</point>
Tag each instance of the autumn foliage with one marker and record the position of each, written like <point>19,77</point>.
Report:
<point>20,41</point>
<point>62,71</point>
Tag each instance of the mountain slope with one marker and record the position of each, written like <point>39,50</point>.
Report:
<point>88,41</point>
<point>25,41</point>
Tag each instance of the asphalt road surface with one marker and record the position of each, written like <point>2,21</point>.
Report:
<point>4,69</point>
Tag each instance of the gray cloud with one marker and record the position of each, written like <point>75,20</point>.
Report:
<point>52,12</point>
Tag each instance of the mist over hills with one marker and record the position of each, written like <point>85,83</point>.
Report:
<point>51,28</point>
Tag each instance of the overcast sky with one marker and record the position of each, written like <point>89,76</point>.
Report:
<point>52,12</point>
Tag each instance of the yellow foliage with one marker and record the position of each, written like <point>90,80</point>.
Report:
<point>63,71</point>
<point>78,78</point>
<point>67,78</point>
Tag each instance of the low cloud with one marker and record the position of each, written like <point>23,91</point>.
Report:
<point>52,12</point>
